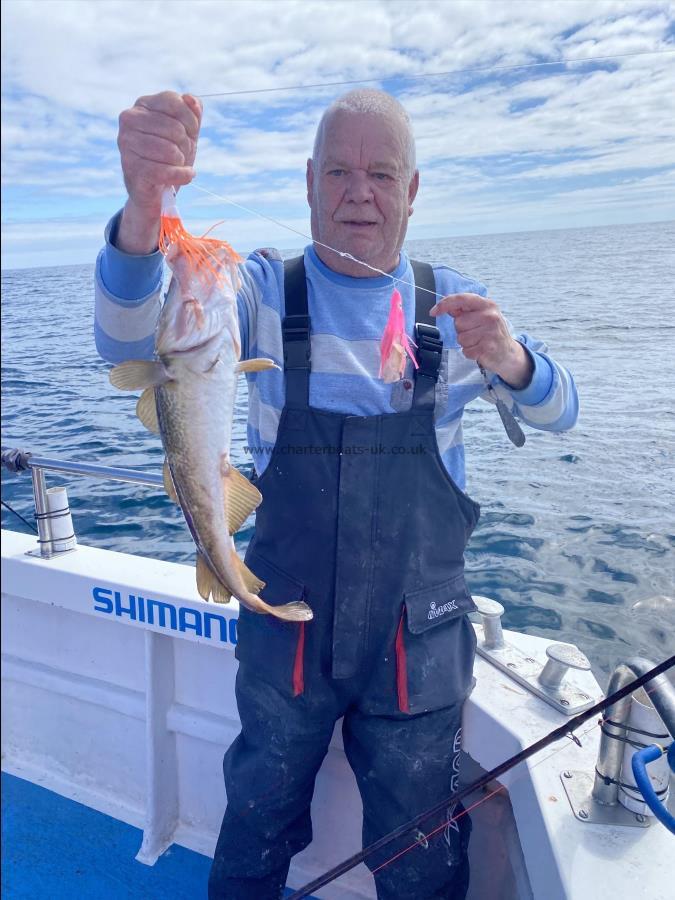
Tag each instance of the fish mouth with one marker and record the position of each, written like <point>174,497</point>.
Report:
<point>203,345</point>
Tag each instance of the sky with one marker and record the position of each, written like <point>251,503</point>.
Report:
<point>499,148</point>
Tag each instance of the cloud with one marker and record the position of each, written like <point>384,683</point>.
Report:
<point>504,140</point>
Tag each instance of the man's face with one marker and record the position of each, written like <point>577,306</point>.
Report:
<point>360,192</point>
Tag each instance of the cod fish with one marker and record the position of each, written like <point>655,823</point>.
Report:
<point>188,398</point>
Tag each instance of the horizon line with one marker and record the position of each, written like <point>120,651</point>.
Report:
<point>408,240</point>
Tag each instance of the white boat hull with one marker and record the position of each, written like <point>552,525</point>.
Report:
<point>128,707</point>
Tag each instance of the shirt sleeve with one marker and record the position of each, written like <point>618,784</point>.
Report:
<point>550,401</point>
<point>127,300</point>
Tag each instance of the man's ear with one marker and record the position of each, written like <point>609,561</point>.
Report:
<point>413,187</point>
<point>310,181</point>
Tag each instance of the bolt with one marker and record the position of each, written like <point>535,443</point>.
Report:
<point>584,696</point>
<point>564,702</point>
<point>583,814</point>
<point>529,659</point>
<point>639,817</point>
<point>567,774</point>
<point>512,665</point>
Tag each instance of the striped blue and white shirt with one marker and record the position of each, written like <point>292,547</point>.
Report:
<point>348,316</point>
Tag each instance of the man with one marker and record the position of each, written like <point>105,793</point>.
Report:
<point>363,510</point>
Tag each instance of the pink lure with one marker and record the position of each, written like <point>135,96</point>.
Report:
<point>395,343</point>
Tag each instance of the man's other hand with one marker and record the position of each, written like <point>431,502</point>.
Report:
<point>483,335</point>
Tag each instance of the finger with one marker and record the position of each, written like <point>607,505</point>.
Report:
<point>141,131</point>
<point>453,304</point>
<point>195,105</point>
<point>471,339</point>
<point>153,148</point>
<point>158,173</point>
<point>161,125</point>
<point>466,321</point>
<point>471,352</point>
<point>173,105</point>
<point>480,349</point>
<point>139,118</point>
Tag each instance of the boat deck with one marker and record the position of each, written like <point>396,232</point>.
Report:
<point>126,709</point>
<point>57,848</point>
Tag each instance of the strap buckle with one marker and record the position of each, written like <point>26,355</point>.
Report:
<point>429,350</point>
<point>297,348</point>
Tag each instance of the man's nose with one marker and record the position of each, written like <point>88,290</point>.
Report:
<point>359,189</point>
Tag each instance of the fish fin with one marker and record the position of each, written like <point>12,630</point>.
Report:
<point>208,585</point>
<point>297,611</point>
<point>204,577</point>
<point>252,582</point>
<point>138,374</point>
<point>168,483</point>
<point>220,593</point>
<point>256,365</point>
<point>241,498</point>
<point>146,410</point>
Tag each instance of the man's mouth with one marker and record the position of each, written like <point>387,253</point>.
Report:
<point>356,224</point>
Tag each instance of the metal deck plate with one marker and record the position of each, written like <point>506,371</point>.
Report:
<point>568,698</point>
<point>579,787</point>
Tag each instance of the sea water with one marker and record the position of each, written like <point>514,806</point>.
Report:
<point>575,527</point>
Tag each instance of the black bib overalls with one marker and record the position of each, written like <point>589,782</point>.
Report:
<point>360,519</point>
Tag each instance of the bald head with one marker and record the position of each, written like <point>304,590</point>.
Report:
<point>361,183</point>
<point>368,101</point>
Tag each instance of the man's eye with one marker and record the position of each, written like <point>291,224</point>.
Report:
<point>381,176</point>
<point>337,172</point>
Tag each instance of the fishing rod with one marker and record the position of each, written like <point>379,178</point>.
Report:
<point>565,730</point>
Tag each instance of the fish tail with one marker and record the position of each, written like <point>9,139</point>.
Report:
<point>297,611</point>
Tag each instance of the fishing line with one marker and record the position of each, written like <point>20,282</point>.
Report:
<point>340,253</point>
<point>349,256</point>
<point>19,516</point>
<point>513,430</point>
<point>468,809</point>
<point>599,724</point>
<point>466,71</point>
<point>564,730</point>
<point>482,782</point>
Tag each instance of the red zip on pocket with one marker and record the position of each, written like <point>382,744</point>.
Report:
<point>401,669</point>
<point>299,664</point>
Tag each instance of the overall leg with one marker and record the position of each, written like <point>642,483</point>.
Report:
<point>404,765</point>
<point>270,771</point>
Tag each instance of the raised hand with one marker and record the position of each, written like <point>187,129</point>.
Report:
<point>157,140</point>
<point>483,335</point>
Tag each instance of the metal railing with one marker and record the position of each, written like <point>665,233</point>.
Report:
<point>20,461</point>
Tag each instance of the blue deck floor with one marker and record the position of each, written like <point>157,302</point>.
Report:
<point>58,849</point>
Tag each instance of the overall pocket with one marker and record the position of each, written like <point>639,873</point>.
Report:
<point>435,647</point>
<point>274,648</point>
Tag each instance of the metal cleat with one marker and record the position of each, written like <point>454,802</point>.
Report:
<point>545,678</point>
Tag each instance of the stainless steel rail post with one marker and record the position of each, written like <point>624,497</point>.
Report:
<point>42,512</point>
<point>610,755</point>
<point>18,461</point>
